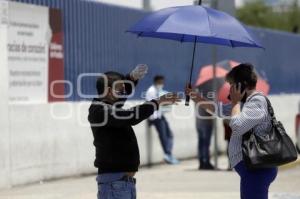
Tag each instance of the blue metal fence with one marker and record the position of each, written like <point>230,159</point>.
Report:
<point>96,41</point>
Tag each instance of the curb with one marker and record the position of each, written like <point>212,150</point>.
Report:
<point>290,165</point>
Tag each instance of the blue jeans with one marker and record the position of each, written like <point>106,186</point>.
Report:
<point>111,187</point>
<point>165,134</point>
<point>255,183</point>
<point>204,138</point>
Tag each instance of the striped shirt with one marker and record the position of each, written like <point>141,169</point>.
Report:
<point>254,115</point>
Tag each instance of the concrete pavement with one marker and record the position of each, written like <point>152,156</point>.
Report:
<point>163,182</point>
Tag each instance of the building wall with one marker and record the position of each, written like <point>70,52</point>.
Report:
<point>96,41</point>
<point>54,140</point>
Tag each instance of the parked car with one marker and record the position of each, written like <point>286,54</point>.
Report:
<point>297,125</point>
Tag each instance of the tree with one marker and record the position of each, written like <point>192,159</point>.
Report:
<point>261,15</point>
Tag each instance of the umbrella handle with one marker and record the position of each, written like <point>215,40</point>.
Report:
<point>187,97</point>
<point>187,100</point>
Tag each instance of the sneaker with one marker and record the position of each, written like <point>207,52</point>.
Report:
<point>169,159</point>
<point>174,160</point>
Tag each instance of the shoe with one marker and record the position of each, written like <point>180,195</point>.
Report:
<point>169,159</point>
<point>174,160</point>
<point>229,169</point>
<point>206,166</point>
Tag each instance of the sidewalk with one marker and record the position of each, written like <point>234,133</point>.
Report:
<point>164,182</point>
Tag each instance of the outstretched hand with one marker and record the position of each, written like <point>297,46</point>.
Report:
<point>192,93</point>
<point>139,72</point>
<point>169,99</point>
<point>197,98</point>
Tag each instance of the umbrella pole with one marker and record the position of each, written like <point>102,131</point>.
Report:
<point>187,97</point>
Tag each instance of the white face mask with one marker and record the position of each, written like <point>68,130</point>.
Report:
<point>159,87</point>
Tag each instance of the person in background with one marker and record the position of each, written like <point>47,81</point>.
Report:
<point>117,152</point>
<point>204,125</point>
<point>159,121</point>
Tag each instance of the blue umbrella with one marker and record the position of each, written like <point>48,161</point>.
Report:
<point>195,24</point>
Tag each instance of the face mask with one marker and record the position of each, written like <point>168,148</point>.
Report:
<point>115,95</point>
<point>120,93</point>
<point>119,98</point>
<point>159,87</point>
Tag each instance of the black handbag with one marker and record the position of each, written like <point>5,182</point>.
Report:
<point>273,149</point>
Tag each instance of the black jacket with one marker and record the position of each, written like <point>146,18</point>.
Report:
<point>116,144</point>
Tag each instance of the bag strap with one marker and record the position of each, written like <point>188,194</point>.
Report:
<point>270,108</point>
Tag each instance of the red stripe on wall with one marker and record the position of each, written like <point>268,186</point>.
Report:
<point>56,88</point>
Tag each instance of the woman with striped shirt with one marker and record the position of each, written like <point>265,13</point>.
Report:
<point>252,116</point>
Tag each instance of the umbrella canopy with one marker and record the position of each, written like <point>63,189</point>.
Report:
<point>205,80</point>
<point>195,23</point>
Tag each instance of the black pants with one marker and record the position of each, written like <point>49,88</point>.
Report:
<point>165,134</point>
<point>255,183</point>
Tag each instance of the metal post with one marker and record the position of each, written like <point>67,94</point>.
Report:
<point>215,126</point>
<point>146,4</point>
<point>148,144</point>
<point>214,60</point>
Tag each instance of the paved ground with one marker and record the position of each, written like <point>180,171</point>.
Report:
<point>163,182</point>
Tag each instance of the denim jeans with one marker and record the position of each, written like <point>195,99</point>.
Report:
<point>111,187</point>
<point>165,134</point>
<point>204,138</point>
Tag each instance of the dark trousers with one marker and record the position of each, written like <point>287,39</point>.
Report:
<point>255,183</point>
<point>165,134</point>
<point>204,138</point>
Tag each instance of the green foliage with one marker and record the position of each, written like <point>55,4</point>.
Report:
<point>259,14</point>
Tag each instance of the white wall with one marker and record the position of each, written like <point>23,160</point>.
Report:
<point>4,122</point>
<point>54,140</point>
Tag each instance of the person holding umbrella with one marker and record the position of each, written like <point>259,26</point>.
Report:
<point>209,80</point>
<point>254,115</point>
<point>117,152</point>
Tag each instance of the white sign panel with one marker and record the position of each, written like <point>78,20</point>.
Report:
<point>3,60</point>
<point>27,52</point>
